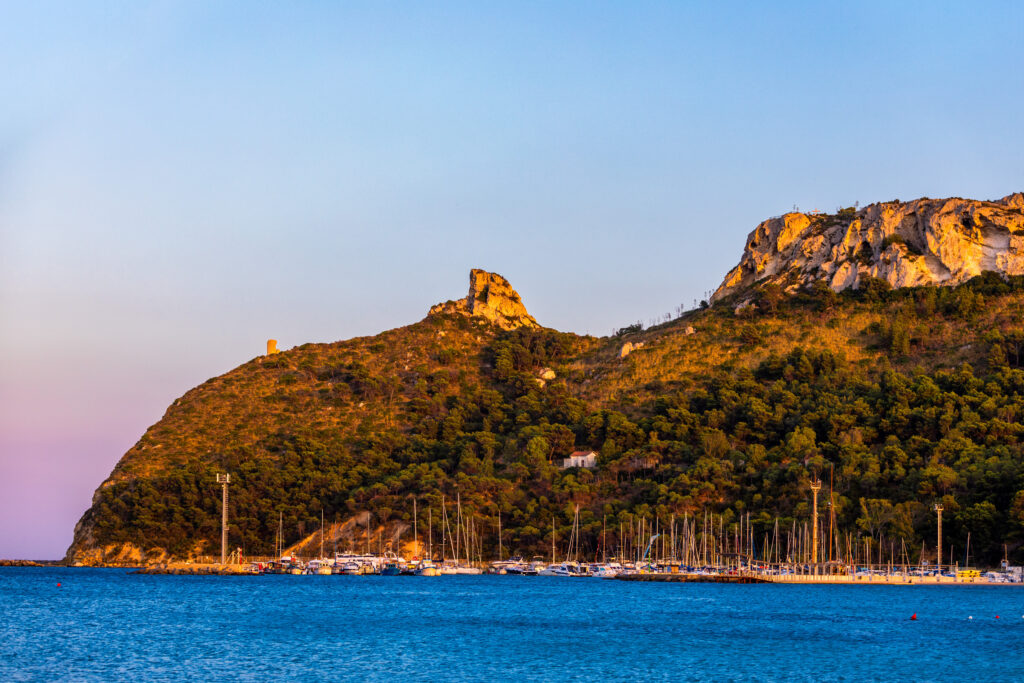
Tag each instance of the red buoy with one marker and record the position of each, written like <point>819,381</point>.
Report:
<point>58,586</point>
<point>914,617</point>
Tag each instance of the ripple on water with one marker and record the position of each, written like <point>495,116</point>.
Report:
<point>108,624</point>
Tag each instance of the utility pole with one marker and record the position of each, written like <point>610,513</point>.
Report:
<point>815,487</point>
<point>938,559</point>
<point>224,480</point>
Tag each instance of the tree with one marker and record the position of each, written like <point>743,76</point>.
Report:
<point>770,296</point>
<point>876,514</point>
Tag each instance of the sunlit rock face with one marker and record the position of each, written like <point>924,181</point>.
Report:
<point>922,242</point>
<point>491,297</point>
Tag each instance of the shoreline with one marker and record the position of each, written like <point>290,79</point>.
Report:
<point>800,580</point>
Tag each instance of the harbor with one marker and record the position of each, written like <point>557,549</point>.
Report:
<point>372,565</point>
<point>687,550</point>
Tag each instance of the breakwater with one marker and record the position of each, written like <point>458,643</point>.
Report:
<point>692,578</point>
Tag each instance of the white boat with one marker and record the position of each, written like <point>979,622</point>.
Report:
<point>564,569</point>
<point>606,571</point>
<point>427,568</point>
<point>513,565</point>
<point>535,567</point>
<point>321,566</point>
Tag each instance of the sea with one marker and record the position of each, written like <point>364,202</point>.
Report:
<point>112,625</point>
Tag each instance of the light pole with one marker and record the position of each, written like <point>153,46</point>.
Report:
<point>815,487</point>
<point>224,480</point>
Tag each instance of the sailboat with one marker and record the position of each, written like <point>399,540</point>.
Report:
<point>322,566</point>
<point>568,567</point>
<point>427,566</point>
<point>456,566</point>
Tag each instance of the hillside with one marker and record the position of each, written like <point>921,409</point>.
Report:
<point>905,396</point>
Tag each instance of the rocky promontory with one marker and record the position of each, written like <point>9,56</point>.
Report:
<point>491,297</point>
<point>922,242</point>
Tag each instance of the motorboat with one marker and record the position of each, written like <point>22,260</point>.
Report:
<point>570,569</point>
<point>427,568</point>
<point>605,571</point>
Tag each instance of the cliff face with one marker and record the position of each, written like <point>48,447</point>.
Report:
<point>491,297</point>
<point>925,241</point>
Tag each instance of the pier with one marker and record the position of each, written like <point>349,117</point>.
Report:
<point>693,578</point>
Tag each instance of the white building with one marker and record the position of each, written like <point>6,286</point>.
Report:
<point>586,459</point>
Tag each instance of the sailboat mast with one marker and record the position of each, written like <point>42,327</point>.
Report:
<point>575,543</point>
<point>831,510</point>
<point>415,531</point>
<point>499,535</point>
<point>458,525</point>
<point>552,539</point>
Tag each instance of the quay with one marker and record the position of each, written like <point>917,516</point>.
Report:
<point>197,569</point>
<point>693,578</point>
<point>895,579</point>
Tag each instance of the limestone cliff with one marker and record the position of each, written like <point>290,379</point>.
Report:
<point>491,297</point>
<point>925,241</point>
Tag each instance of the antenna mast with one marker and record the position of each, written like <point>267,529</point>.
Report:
<point>815,487</point>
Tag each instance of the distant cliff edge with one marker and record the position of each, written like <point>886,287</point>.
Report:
<point>922,242</point>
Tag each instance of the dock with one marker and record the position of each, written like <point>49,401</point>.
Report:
<point>693,578</point>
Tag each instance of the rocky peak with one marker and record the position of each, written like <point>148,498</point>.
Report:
<point>922,242</point>
<point>491,297</point>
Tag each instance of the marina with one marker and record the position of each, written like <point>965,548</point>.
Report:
<point>689,550</point>
<point>663,571</point>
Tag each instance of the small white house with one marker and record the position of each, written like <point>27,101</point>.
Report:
<point>586,459</point>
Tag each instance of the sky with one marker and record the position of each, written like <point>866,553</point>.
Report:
<point>180,181</point>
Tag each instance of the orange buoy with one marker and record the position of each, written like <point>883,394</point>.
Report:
<point>914,617</point>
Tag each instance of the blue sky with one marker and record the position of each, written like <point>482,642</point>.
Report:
<point>181,181</point>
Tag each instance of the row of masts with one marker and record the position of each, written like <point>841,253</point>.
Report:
<point>692,540</point>
<point>465,542</point>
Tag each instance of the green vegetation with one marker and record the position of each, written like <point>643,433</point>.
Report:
<point>908,397</point>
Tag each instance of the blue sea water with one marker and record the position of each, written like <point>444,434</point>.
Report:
<point>107,624</point>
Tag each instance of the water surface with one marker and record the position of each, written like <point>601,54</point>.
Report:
<point>107,624</point>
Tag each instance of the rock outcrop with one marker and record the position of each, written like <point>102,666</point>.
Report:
<point>628,348</point>
<point>922,242</point>
<point>491,297</point>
